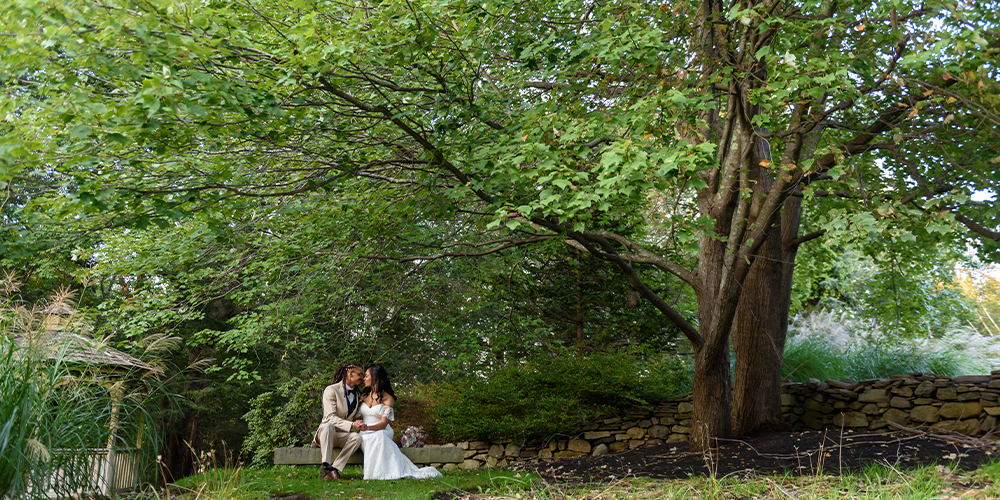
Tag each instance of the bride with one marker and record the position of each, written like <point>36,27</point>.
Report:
<point>383,460</point>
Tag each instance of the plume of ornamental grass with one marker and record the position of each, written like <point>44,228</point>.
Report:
<point>54,410</point>
<point>827,344</point>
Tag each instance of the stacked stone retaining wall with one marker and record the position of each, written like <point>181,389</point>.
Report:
<point>669,422</point>
<point>968,404</point>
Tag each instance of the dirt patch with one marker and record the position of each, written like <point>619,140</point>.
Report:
<point>793,453</point>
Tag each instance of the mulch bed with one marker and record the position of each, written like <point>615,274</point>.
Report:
<point>805,453</point>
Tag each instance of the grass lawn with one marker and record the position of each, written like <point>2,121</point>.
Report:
<point>283,481</point>
<point>878,482</point>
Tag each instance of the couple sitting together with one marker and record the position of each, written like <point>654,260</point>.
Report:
<point>346,409</point>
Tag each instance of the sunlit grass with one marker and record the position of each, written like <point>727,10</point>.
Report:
<point>281,481</point>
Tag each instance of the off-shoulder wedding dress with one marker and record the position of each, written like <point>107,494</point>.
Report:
<point>383,460</point>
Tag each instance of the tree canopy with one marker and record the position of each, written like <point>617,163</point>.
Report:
<point>693,138</point>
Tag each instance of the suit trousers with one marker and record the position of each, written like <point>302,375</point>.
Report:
<point>331,437</point>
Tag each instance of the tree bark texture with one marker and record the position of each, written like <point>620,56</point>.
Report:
<point>712,394</point>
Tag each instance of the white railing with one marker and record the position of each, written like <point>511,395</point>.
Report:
<point>109,471</point>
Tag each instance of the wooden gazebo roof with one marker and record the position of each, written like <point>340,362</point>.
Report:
<point>77,348</point>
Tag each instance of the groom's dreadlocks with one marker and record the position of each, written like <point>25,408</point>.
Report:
<point>342,371</point>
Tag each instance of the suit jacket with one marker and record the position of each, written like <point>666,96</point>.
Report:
<point>335,407</point>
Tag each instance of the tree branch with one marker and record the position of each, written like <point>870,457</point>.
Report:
<point>508,244</point>
<point>976,227</point>
<point>790,244</point>
<point>644,256</point>
<point>611,255</point>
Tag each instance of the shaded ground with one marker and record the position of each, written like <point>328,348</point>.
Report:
<point>793,453</point>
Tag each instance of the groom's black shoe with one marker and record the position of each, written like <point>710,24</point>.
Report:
<point>329,474</point>
<point>325,472</point>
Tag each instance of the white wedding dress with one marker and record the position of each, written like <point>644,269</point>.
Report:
<point>383,460</point>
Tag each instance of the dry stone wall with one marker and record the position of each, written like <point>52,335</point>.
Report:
<point>968,405</point>
<point>668,423</point>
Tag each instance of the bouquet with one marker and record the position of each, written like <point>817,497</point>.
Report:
<point>413,437</point>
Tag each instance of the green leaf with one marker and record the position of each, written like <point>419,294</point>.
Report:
<point>116,137</point>
<point>938,228</point>
<point>79,131</point>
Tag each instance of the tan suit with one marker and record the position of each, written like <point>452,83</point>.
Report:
<point>335,428</point>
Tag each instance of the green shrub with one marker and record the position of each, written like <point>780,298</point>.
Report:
<point>287,416</point>
<point>32,409</point>
<point>545,396</point>
<point>414,405</point>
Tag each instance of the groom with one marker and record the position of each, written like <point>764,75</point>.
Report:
<point>341,401</point>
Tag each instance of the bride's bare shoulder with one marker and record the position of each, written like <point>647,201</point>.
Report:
<point>388,400</point>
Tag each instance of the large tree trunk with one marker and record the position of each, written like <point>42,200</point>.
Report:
<point>758,333</point>
<point>712,394</point>
<point>761,322</point>
<point>712,386</point>
<point>758,344</point>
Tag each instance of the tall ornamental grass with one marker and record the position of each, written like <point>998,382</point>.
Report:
<point>828,345</point>
<point>56,413</point>
<point>49,417</point>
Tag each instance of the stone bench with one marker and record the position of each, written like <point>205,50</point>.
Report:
<point>425,455</point>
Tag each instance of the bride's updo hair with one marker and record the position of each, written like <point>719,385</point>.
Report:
<point>380,378</point>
